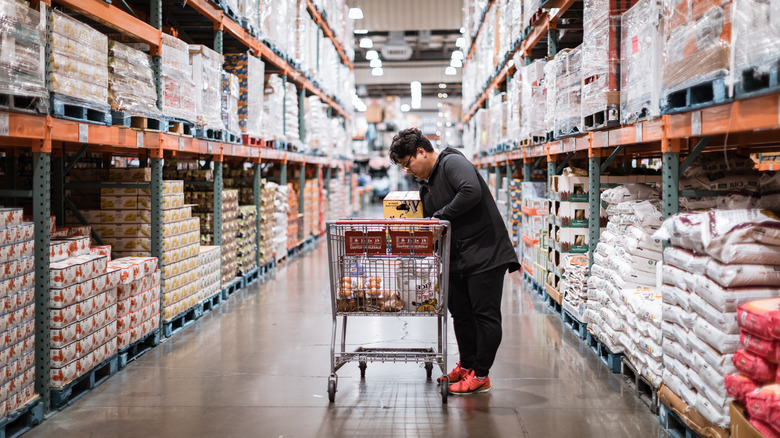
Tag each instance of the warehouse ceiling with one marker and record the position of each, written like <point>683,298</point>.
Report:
<point>420,33</point>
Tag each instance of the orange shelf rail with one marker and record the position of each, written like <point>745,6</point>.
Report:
<point>115,18</point>
<point>318,18</point>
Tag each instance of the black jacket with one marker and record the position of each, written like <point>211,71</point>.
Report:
<point>456,192</point>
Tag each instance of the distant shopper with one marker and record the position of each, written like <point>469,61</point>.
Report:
<point>481,252</point>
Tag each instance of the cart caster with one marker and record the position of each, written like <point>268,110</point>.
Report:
<point>445,390</point>
<point>332,390</point>
<point>362,365</point>
<point>428,370</point>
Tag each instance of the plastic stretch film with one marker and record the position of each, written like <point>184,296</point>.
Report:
<point>568,88</point>
<point>84,77</point>
<point>230,94</point>
<point>178,88</point>
<point>131,81</point>
<point>551,82</point>
<point>22,52</point>
<point>207,78</point>
<point>697,42</point>
<point>534,100</point>
<point>250,71</point>
<point>641,55</point>
<point>291,112</point>
<point>249,10</point>
<point>514,110</point>
<point>272,117</point>
<point>756,40</point>
<point>601,22</point>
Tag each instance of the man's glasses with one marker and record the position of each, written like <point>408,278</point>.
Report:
<point>408,162</point>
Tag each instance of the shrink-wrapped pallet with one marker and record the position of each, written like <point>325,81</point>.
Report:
<point>291,112</point>
<point>178,88</point>
<point>641,55</point>
<point>131,86</point>
<point>22,55</point>
<point>207,79</point>
<point>533,100</point>
<point>230,95</point>
<point>251,74</point>
<point>568,88</point>
<point>756,44</point>
<point>273,124</point>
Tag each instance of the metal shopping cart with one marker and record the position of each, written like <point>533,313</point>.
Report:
<point>388,267</point>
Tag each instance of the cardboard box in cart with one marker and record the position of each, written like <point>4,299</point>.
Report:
<point>403,205</point>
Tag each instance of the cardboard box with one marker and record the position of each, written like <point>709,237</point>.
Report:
<point>403,205</point>
<point>690,417</point>
<point>740,426</point>
<point>571,188</point>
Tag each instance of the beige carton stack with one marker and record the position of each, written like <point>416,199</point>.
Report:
<point>247,243</point>
<point>311,205</point>
<point>204,210</point>
<point>266,224</point>
<point>138,299</point>
<point>209,272</point>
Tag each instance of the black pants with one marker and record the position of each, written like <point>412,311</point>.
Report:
<point>475,305</point>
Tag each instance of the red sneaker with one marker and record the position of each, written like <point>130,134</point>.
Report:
<point>455,375</point>
<point>470,385</point>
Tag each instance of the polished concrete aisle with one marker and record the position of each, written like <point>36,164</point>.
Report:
<point>258,367</point>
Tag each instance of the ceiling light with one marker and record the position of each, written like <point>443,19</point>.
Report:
<point>356,13</point>
<point>462,30</point>
<point>450,71</point>
<point>442,85</point>
<point>377,71</point>
<point>461,42</point>
<point>372,54</point>
<point>360,31</point>
<point>457,54</point>
<point>457,63</point>
<point>443,95</point>
<point>375,63</point>
<point>405,108</point>
<point>440,105</point>
<point>366,43</point>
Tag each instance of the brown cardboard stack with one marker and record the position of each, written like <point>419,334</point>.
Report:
<point>247,243</point>
<point>209,272</point>
<point>205,209</point>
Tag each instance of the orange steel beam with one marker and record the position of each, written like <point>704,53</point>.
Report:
<point>115,18</point>
<point>317,17</point>
<point>540,29</point>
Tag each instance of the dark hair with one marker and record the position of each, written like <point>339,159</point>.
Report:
<point>406,142</point>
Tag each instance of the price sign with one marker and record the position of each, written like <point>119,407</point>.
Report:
<point>83,133</point>
<point>4,130</point>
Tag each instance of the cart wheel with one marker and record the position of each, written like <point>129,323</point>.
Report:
<point>428,370</point>
<point>332,390</point>
<point>362,365</point>
<point>445,391</point>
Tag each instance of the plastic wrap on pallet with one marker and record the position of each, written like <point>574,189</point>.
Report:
<point>22,52</point>
<point>516,19</point>
<point>131,81</point>
<point>600,59</point>
<point>249,10</point>
<point>230,94</point>
<point>697,42</point>
<point>514,110</point>
<point>207,78</point>
<point>641,55</point>
<point>550,84</point>
<point>178,88</point>
<point>291,112</point>
<point>530,8</point>
<point>274,101</point>
<point>756,39</point>
<point>533,101</point>
<point>79,67</point>
<point>251,74</point>
<point>568,88</point>
<point>315,119</point>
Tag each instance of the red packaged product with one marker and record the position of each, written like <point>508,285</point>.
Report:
<point>759,317</point>
<point>58,250</point>
<point>59,233</point>
<point>101,250</point>
<point>63,317</point>
<point>80,231</point>
<point>64,336</point>
<point>15,251</point>
<point>754,366</point>
<point>59,298</point>
<point>10,217</point>
<point>763,401</point>
<point>77,246</point>
<point>86,327</point>
<point>765,348</point>
<point>62,376</point>
<point>60,357</point>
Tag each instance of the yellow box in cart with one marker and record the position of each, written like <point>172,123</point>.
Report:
<point>405,205</point>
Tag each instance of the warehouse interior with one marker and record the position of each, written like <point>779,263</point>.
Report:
<point>202,232</point>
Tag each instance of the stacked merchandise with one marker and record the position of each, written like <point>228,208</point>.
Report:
<point>204,210</point>
<point>502,201</point>
<point>498,119</point>
<point>483,131</point>
<point>177,85</point>
<point>207,80</point>
<point>22,69</point>
<point>131,87</point>
<point>697,49</point>
<point>535,208</point>
<point>530,7</point>
<point>292,217</point>
<point>247,243</point>
<point>138,299</point>
<point>550,86</point>
<point>241,180</point>
<point>273,124</point>
<point>568,88</point>
<point>513,110</point>
<point>249,10</point>
<point>339,197</point>
<point>719,261</point>
<point>470,87</point>
<point>317,126</point>
<point>600,62</point>
<point>623,308</point>
<point>641,57</point>
<point>209,272</point>
<point>533,101</point>
<point>311,205</point>
<point>78,65</point>
<point>306,43</point>
<point>574,286</point>
<point>281,221</point>
<point>756,36</point>
<point>250,71</point>
<point>291,113</point>
<point>756,382</point>
<point>515,225</point>
<point>230,95</point>
<point>515,14</point>
<point>17,281</point>
<point>266,223</point>
<point>83,309</point>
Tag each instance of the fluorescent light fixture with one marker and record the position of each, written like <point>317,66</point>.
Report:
<point>360,31</point>
<point>372,54</point>
<point>442,85</point>
<point>457,54</point>
<point>377,71</point>
<point>511,62</point>
<point>356,13</point>
<point>366,43</point>
<point>405,108</point>
<point>375,63</point>
<point>450,71</point>
<point>457,63</point>
<point>462,30</point>
<point>416,85</point>
<point>461,42</point>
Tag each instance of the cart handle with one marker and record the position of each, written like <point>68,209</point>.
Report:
<point>385,221</point>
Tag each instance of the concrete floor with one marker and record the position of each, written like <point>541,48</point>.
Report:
<point>258,367</point>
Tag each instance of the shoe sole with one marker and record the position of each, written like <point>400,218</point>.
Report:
<point>449,382</point>
<point>476,391</point>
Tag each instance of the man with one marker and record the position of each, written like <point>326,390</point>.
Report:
<point>481,252</point>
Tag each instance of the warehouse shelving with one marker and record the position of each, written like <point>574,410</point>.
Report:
<point>319,19</point>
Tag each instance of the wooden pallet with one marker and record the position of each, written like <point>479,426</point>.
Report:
<point>179,126</point>
<point>137,349</point>
<point>67,395</point>
<point>757,81</point>
<point>22,419</point>
<point>182,320</point>
<point>79,110</point>
<point>128,120</point>
<point>695,97</point>
<point>211,303</point>
<point>604,119</point>
<point>24,104</point>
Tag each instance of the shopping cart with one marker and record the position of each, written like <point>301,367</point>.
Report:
<point>388,267</point>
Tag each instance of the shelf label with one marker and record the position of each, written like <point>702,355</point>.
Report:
<point>181,144</point>
<point>208,147</point>
<point>83,133</point>
<point>4,131</point>
<point>139,139</point>
<point>696,123</point>
<point>638,131</point>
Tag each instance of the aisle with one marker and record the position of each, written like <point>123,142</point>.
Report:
<point>258,366</point>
